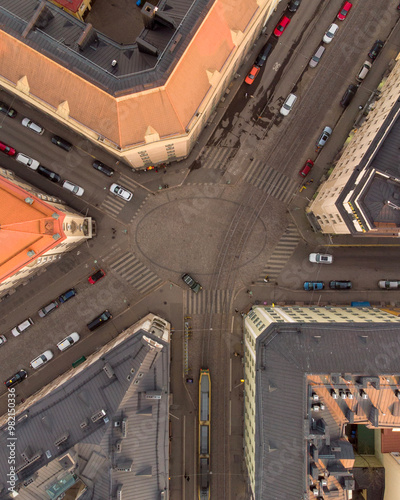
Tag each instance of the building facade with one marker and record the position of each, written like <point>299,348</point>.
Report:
<point>146,103</point>
<point>77,8</point>
<point>36,230</point>
<point>309,372</point>
<point>360,195</point>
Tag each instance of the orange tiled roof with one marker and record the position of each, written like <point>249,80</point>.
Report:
<point>124,120</point>
<point>24,227</point>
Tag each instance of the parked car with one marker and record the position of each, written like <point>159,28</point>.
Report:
<point>191,283</point>
<point>348,95</point>
<point>288,105</point>
<point>97,276</point>
<point>317,56</point>
<point>101,167</point>
<point>22,327</point>
<point>61,143</point>
<point>263,55</point>
<point>41,360</point>
<point>68,341</point>
<point>4,108</point>
<point>340,285</point>
<point>389,284</point>
<point>326,133</point>
<point>364,70</point>
<point>320,258</point>
<point>3,340</point>
<point>329,35</point>
<point>16,378</point>
<point>67,295</point>
<point>307,167</point>
<point>99,320</point>
<point>73,188</point>
<point>121,192</point>
<point>8,150</point>
<point>376,48</point>
<point>27,161</point>
<point>26,122</point>
<point>252,75</point>
<point>281,26</point>
<point>344,11</point>
<point>313,285</point>
<point>44,311</point>
<point>293,5</point>
<point>49,174</point>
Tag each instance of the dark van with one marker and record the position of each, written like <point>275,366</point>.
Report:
<point>263,55</point>
<point>99,320</point>
<point>348,95</point>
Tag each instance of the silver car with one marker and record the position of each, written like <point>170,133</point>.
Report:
<point>121,192</point>
<point>326,133</point>
<point>73,188</point>
<point>26,122</point>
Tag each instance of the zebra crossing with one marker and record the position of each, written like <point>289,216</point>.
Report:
<point>281,254</point>
<point>128,267</point>
<point>113,204</point>
<point>214,301</point>
<point>217,157</point>
<point>270,181</point>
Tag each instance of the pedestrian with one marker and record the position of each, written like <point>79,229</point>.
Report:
<point>246,95</point>
<point>236,310</point>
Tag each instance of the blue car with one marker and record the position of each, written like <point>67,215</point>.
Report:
<point>313,285</point>
<point>67,295</point>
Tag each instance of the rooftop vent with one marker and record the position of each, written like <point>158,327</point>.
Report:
<point>108,370</point>
<point>98,415</point>
<point>334,394</point>
<point>61,439</point>
<point>118,446</point>
<point>124,427</point>
<point>119,492</point>
<point>125,466</point>
<point>363,394</point>
<point>84,424</point>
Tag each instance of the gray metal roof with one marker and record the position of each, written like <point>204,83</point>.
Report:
<point>291,361</point>
<point>92,445</point>
<point>383,155</point>
<point>135,71</point>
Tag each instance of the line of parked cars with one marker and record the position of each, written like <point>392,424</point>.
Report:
<point>333,285</point>
<point>64,344</point>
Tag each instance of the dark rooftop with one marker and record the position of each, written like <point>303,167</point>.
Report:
<point>137,69</point>
<point>303,373</point>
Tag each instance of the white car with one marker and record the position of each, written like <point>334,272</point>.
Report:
<point>70,186</point>
<point>68,341</point>
<point>3,339</point>
<point>288,105</point>
<point>41,360</point>
<point>22,327</point>
<point>27,161</point>
<point>389,284</point>
<point>321,258</point>
<point>328,37</point>
<point>121,192</point>
<point>26,122</point>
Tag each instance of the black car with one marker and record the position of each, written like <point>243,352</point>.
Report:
<point>49,174</point>
<point>7,110</point>
<point>293,5</point>
<point>263,55</point>
<point>376,48</point>
<point>99,320</point>
<point>61,143</point>
<point>340,285</point>
<point>16,379</point>
<point>348,95</point>
<point>101,167</point>
<point>67,295</point>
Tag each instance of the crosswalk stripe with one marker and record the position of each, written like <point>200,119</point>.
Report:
<point>216,157</point>
<point>126,181</point>
<point>270,181</point>
<point>128,267</point>
<point>281,254</point>
<point>208,301</point>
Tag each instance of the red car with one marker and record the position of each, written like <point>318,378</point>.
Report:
<point>252,75</point>
<point>8,150</point>
<point>344,11</point>
<point>95,277</point>
<point>282,25</point>
<point>307,167</point>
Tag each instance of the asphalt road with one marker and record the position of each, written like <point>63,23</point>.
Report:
<point>222,224</point>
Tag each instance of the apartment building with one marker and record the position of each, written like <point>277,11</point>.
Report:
<point>318,379</point>
<point>362,194</point>
<point>145,103</point>
<point>36,230</point>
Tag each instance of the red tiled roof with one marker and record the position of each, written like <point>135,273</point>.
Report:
<point>390,441</point>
